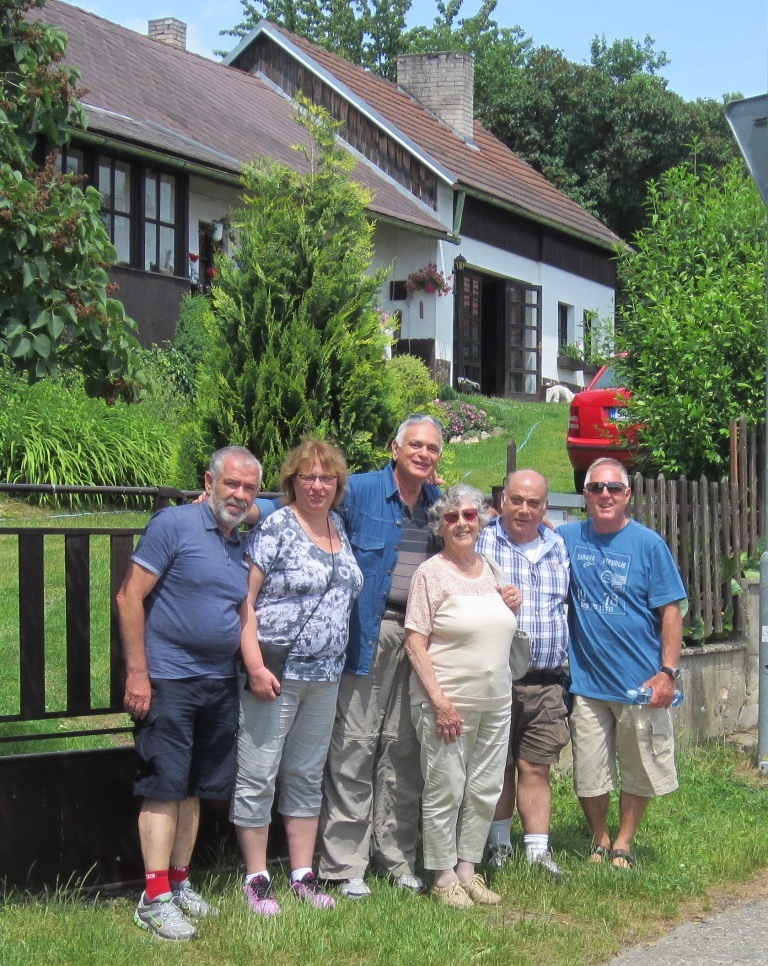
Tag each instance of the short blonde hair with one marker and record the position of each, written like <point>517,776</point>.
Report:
<point>304,456</point>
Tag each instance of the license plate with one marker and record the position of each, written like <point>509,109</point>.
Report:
<point>618,413</point>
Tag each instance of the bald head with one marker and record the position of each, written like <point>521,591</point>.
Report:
<point>524,505</point>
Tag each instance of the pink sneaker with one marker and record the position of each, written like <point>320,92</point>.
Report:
<point>260,897</point>
<point>308,889</point>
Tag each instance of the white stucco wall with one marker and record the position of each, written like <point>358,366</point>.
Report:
<point>431,317</point>
<point>208,201</point>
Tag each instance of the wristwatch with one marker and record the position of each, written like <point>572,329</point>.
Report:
<point>673,672</point>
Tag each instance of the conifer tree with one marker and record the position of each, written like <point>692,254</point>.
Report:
<point>298,343</point>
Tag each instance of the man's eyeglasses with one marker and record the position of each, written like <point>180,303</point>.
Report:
<point>309,480</point>
<point>613,488</point>
<point>452,516</point>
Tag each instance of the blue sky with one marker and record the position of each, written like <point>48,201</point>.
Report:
<point>713,47</point>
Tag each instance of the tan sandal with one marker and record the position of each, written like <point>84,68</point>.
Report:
<point>625,859</point>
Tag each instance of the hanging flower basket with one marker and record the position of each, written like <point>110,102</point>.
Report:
<point>429,280</point>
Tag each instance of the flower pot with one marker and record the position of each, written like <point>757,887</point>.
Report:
<point>429,288</point>
<point>590,369</point>
<point>568,362</point>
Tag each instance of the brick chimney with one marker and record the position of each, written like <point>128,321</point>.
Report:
<point>169,30</point>
<point>444,83</point>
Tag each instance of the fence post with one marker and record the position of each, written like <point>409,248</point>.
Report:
<point>511,457</point>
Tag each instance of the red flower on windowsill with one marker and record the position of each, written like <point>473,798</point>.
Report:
<point>211,272</point>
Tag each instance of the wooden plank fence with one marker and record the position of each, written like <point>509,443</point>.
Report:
<point>708,525</point>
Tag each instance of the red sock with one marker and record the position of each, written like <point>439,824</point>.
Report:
<point>156,884</point>
<point>178,874</point>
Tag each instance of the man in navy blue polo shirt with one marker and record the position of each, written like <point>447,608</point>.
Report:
<point>180,608</point>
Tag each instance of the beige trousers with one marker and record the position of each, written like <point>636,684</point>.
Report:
<point>462,784</point>
<point>372,781</point>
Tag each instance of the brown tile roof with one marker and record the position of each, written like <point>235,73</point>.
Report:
<point>493,170</point>
<point>147,94</point>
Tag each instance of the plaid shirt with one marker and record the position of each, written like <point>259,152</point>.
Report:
<point>543,590</point>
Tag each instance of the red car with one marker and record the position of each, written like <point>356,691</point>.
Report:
<point>597,425</point>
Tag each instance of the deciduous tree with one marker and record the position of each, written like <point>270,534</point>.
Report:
<point>55,308</point>
<point>692,320</point>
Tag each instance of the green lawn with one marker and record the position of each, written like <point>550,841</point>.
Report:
<point>539,431</point>
<point>710,835</point>
<point>18,514</point>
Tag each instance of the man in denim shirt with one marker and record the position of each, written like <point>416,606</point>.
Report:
<point>372,783</point>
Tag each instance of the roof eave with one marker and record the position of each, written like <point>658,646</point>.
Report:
<point>543,220</point>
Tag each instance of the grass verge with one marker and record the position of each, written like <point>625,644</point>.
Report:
<point>538,429</point>
<point>709,836</point>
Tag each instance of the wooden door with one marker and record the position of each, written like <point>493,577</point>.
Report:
<point>522,347</point>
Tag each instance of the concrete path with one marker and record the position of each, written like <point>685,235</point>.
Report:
<point>736,937</point>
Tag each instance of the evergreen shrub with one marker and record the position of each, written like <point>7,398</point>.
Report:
<point>413,385</point>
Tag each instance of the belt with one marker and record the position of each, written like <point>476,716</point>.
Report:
<point>554,676</point>
<point>390,614</point>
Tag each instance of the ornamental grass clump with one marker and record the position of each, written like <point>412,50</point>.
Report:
<point>460,418</point>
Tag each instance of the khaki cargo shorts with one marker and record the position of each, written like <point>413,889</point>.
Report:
<point>640,738</point>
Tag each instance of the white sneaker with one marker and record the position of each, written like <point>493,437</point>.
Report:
<point>499,855</point>
<point>163,918</point>
<point>191,903</point>
<point>354,889</point>
<point>548,865</point>
<point>410,882</point>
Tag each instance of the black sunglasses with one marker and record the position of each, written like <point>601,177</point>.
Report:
<point>612,487</point>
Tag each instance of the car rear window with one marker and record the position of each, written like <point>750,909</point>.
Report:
<point>609,379</point>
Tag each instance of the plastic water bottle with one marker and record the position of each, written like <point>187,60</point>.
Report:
<point>644,695</point>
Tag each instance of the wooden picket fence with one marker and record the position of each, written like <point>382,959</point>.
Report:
<point>708,525</point>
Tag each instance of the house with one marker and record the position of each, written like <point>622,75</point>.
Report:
<point>169,131</point>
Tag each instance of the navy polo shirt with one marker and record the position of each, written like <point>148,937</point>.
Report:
<point>192,624</point>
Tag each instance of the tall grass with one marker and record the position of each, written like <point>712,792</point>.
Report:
<point>54,433</point>
<point>712,834</point>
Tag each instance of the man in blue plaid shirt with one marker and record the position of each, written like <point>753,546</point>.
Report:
<point>533,559</point>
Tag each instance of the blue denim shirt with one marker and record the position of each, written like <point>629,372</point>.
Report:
<point>373,516</point>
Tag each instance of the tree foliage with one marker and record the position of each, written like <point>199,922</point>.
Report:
<point>367,32</point>
<point>601,132</point>
<point>692,320</point>
<point>55,308</point>
<point>298,344</point>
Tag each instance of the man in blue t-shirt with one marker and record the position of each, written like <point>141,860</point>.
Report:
<point>180,608</point>
<point>626,632</point>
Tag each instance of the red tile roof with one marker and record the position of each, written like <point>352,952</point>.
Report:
<point>147,94</point>
<point>489,169</point>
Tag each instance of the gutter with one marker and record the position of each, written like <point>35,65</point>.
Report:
<point>159,158</point>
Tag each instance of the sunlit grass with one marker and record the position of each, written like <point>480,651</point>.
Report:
<point>712,834</point>
<point>539,431</point>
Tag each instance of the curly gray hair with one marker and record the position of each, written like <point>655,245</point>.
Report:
<point>452,499</point>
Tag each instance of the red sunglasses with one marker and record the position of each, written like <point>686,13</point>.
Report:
<point>452,516</point>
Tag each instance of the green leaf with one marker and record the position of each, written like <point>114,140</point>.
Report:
<point>19,347</point>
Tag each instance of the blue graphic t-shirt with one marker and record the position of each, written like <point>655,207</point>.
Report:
<point>618,583</point>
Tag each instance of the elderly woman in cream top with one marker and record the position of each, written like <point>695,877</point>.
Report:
<point>459,628</point>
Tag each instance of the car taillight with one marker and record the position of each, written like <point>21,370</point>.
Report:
<point>573,424</point>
